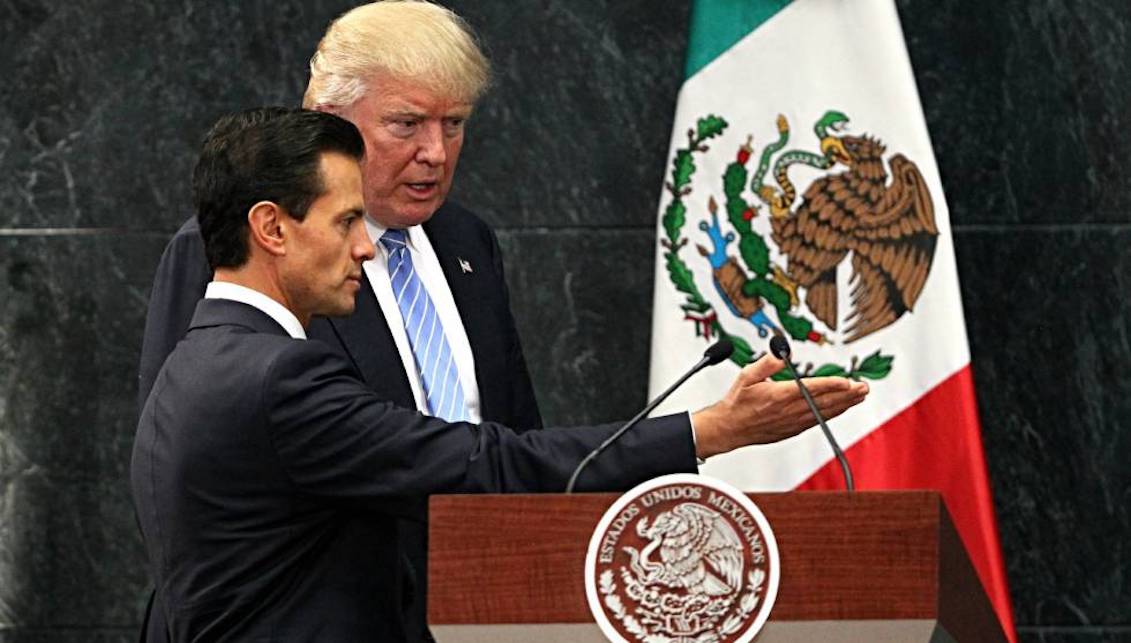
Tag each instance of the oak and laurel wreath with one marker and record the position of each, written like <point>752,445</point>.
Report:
<point>747,604</point>
<point>875,366</point>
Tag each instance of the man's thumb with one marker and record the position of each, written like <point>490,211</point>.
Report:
<point>762,369</point>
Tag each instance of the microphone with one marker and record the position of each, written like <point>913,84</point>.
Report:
<point>714,354</point>
<point>780,348</point>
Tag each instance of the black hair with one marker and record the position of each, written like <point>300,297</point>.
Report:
<point>265,154</point>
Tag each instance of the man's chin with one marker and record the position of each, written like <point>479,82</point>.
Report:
<point>421,212</point>
<point>341,310</point>
<point>412,213</point>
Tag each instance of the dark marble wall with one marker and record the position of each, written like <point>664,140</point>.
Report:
<point>1029,105</point>
<point>103,103</point>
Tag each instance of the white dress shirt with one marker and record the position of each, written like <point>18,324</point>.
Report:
<point>427,266</point>
<point>273,309</point>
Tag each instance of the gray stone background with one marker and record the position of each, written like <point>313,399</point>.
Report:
<point>102,104</point>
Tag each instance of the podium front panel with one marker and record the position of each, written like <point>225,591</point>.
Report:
<point>867,565</point>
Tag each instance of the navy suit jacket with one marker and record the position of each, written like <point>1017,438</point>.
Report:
<point>363,338</point>
<point>267,477</point>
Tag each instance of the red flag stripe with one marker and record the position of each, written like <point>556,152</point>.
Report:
<point>936,443</point>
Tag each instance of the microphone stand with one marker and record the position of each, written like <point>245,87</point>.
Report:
<point>780,348</point>
<point>716,353</point>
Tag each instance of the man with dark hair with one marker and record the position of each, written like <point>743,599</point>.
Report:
<point>268,477</point>
<point>271,153</point>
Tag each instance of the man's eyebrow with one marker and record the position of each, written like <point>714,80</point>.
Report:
<point>402,113</point>
<point>461,111</point>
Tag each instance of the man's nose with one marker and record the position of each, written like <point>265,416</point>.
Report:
<point>431,141</point>
<point>363,248</point>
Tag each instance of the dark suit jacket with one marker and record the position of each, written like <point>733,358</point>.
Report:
<point>506,394</point>
<point>364,339</point>
<point>266,478</point>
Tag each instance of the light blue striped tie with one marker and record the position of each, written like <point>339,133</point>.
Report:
<point>434,359</point>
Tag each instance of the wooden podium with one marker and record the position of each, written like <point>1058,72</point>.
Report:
<point>872,566</point>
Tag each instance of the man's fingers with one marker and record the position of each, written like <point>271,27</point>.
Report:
<point>851,392</point>
<point>839,403</point>
<point>818,385</point>
<point>761,370</point>
<point>827,388</point>
<point>832,395</point>
<point>835,388</point>
<point>854,393</point>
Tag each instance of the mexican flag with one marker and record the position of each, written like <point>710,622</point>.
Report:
<point>802,198</point>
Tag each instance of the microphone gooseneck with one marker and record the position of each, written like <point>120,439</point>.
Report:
<point>714,354</point>
<point>781,350</point>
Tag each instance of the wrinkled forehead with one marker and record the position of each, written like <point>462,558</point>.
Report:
<point>437,89</point>
<point>384,92</point>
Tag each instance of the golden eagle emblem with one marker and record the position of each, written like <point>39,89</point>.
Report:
<point>876,210</point>
<point>889,227</point>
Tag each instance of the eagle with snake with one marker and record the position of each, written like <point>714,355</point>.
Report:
<point>888,227</point>
<point>699,551</point>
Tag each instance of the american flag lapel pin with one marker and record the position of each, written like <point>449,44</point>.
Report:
<point>464,265</point>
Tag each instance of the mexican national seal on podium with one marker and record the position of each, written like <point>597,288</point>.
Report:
<point>682,558</point>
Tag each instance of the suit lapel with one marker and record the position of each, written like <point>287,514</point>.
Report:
<point>448,252</point>
<point>466,265</point>
<point>451,249</point>
<point>368,343</point>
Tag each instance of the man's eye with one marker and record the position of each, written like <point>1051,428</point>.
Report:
<point>402,127</point>
<point>453,125</point>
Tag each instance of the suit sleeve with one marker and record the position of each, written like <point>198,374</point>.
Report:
<point>524,408</point>
<point>336,438</point>
<point>182,276</point>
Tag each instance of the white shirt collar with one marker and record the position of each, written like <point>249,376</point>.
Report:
<point>375,231</point>
<point>256,299</point>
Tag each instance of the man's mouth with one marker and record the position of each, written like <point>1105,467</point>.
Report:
<point>423,188</point>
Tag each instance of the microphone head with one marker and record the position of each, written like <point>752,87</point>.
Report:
<point>718,351</point>
<point>779,347</point>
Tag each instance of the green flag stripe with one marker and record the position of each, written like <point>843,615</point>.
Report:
<point>717,24</point>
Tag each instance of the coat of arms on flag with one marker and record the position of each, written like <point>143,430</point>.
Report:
<point>882,222</point>
<point>801,197</point>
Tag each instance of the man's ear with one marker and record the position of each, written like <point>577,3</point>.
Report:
<point>266,230</point>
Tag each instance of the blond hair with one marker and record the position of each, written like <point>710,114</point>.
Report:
<point>407,39</point>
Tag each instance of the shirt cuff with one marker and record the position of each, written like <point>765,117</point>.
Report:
<point>694,443</point>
